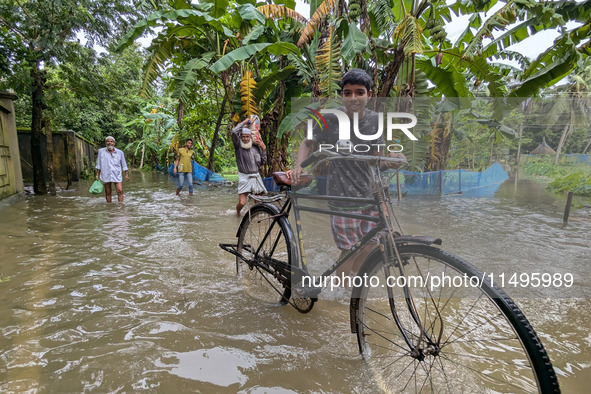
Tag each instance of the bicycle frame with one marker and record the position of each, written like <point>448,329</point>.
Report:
<point>384,227</point>
<point>421,333</point>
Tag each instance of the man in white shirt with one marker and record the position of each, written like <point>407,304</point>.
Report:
<point>109,163</point>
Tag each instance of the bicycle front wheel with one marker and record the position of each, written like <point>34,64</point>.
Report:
<point>458,336</point>
<point>264,244</point>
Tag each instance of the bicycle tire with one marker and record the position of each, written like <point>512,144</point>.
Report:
<point>484,344</point>
<point>260,283</point>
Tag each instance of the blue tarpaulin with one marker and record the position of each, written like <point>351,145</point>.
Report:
<point>202,174</point>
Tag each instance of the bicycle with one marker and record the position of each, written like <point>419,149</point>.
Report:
<point>458,338</point>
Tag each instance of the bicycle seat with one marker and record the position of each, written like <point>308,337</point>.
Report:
<point>281,179</point>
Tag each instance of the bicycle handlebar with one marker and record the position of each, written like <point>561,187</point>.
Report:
<point>329,155</point>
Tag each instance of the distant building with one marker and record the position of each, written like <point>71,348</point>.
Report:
<point>543,149</point>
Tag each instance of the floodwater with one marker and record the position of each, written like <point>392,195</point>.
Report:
<point>139,297</point>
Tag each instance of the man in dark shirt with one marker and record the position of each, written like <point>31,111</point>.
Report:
<point>251,153</point>
<point>348,177</point>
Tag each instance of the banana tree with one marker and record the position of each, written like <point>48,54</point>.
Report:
<point>262,58</point>
<point>157,128</point>
<point>570,106</point>
<point>191,37</point>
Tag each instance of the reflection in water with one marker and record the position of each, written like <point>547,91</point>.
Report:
<point>138,296</point>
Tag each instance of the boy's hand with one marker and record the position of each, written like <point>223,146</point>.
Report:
<point>295,174</point>
<point>394,165</point>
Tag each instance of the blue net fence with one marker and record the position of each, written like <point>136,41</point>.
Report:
<point>202,174</point>
<point>450,181</point>
<point>468,183</point>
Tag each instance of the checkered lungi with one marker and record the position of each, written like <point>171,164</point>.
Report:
<point>348,231</point>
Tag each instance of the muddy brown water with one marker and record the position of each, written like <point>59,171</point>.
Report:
<point>138,296</point>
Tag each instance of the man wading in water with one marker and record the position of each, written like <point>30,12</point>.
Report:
<point>251,153</point>
<point>109,164</point>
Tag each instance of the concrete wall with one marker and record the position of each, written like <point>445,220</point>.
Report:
<point>11,178</point>
<point>72,155</point>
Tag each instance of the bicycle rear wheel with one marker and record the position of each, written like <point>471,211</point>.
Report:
<point>264,244</point>
<point>465,339</point>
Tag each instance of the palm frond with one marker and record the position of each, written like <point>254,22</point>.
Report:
<point>274,11</point>
<point>328,65</point>
<point>186,78</point>
<point>498,21</point>
<point>321,12</point>
<point>409,32</point>
<point>383,15</point>
<point>161,52</point>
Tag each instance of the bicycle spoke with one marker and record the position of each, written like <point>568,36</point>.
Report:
<point>483,374</point>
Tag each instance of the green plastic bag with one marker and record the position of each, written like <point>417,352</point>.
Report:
<point>97,187</point>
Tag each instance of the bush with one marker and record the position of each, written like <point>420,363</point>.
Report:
<point>577,182</point>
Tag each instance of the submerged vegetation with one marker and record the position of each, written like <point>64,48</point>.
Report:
<point>560,177</point>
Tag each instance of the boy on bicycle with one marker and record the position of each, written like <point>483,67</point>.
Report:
<point>349,178</point>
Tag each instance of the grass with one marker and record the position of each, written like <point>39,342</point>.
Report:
<point>230,176</point>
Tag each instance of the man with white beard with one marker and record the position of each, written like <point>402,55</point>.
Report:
<point>109,163</point>
<point>251,153</point>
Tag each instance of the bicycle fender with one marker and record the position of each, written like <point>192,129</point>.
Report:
<point>417,239</point>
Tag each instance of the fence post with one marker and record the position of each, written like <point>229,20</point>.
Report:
<point>398,186</point>
<point>440,183</point>
<point>569,201</point>
<point>459,180</point>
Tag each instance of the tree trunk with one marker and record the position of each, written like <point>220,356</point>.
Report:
<point>216,133</point>
<point>277,152</point>
<point>440,143</point>
<point>38,88</point>
<point>391,72</point>
<point>50,169</point>
<point>565,132</point>
<point>143,153</point>
<point>526,107</point>
<point>518,155</point>
<point>587,147</point>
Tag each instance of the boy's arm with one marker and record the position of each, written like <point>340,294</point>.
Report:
<point>306,147</point>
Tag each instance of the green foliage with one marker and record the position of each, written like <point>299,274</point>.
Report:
<point>88,169</point>
<point>577,182</point>
<point>202,50</point>
<point>96,94</point>
<point>562,177</point>
<point>150,135</point>
<point>544,167</point>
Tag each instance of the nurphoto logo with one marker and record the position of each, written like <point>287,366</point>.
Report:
<point>344,143</point>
